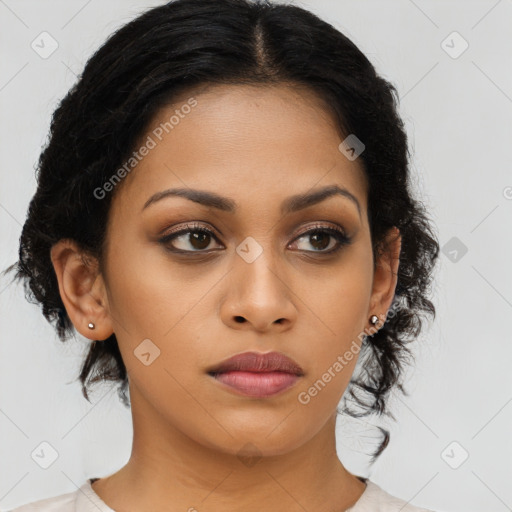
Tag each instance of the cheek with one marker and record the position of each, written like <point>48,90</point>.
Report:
<point>339,312</point>
<point>340,299</point>
<point>150,299</point>
<point>146,294</point>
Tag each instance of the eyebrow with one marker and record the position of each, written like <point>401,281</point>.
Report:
<point>290,205</point>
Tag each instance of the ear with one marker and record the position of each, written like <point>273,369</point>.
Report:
<point>82,289</point>
<point>385,276</point>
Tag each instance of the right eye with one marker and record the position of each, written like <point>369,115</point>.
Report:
<point>193,235</point>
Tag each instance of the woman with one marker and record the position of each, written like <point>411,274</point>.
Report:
<point>224,210</point>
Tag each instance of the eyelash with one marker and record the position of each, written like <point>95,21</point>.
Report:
<point>341,238</point>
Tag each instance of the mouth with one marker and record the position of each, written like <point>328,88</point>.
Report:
<point>257,375</point>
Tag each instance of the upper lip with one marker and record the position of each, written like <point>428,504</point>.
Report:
<point>258,362</point>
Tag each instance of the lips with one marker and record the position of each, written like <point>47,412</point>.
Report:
<point>260,363</point>
<point>257,375</point>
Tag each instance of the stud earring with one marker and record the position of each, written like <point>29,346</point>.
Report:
<point>91,325</point>
<point>374,319</point>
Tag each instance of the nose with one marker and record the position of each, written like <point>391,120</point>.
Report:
<point>259,296</point>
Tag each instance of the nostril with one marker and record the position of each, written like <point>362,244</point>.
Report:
<point>240,319</point>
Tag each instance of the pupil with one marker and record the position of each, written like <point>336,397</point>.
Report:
<point>199,237</point>
<point>320,235</point>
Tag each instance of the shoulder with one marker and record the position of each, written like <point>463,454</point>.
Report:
<point>63,503</point>
<point>375,499</point>
<point>83,499</point>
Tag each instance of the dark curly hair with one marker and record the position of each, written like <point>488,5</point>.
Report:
<point>188,43</point>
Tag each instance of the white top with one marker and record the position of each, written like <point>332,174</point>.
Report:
<point>373,499</point>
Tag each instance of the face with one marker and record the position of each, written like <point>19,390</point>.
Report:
<point>191,281</point>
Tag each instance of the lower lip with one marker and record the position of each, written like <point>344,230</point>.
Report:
<point>257,385</point>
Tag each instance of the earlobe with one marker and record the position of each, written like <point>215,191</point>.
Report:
<point>82,290</point>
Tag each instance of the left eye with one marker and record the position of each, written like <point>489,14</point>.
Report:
<point>199,238</point>
<point>319,238</point>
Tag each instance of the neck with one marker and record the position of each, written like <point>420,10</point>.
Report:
<point>168,470</point>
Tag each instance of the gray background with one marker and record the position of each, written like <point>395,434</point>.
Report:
<point>458,111</point>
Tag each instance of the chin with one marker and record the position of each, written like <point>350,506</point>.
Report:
<point>263,442</point>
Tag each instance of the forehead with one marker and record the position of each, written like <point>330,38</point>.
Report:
<point>244,141</point>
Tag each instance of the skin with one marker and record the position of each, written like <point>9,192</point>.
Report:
<point>257,146</point>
